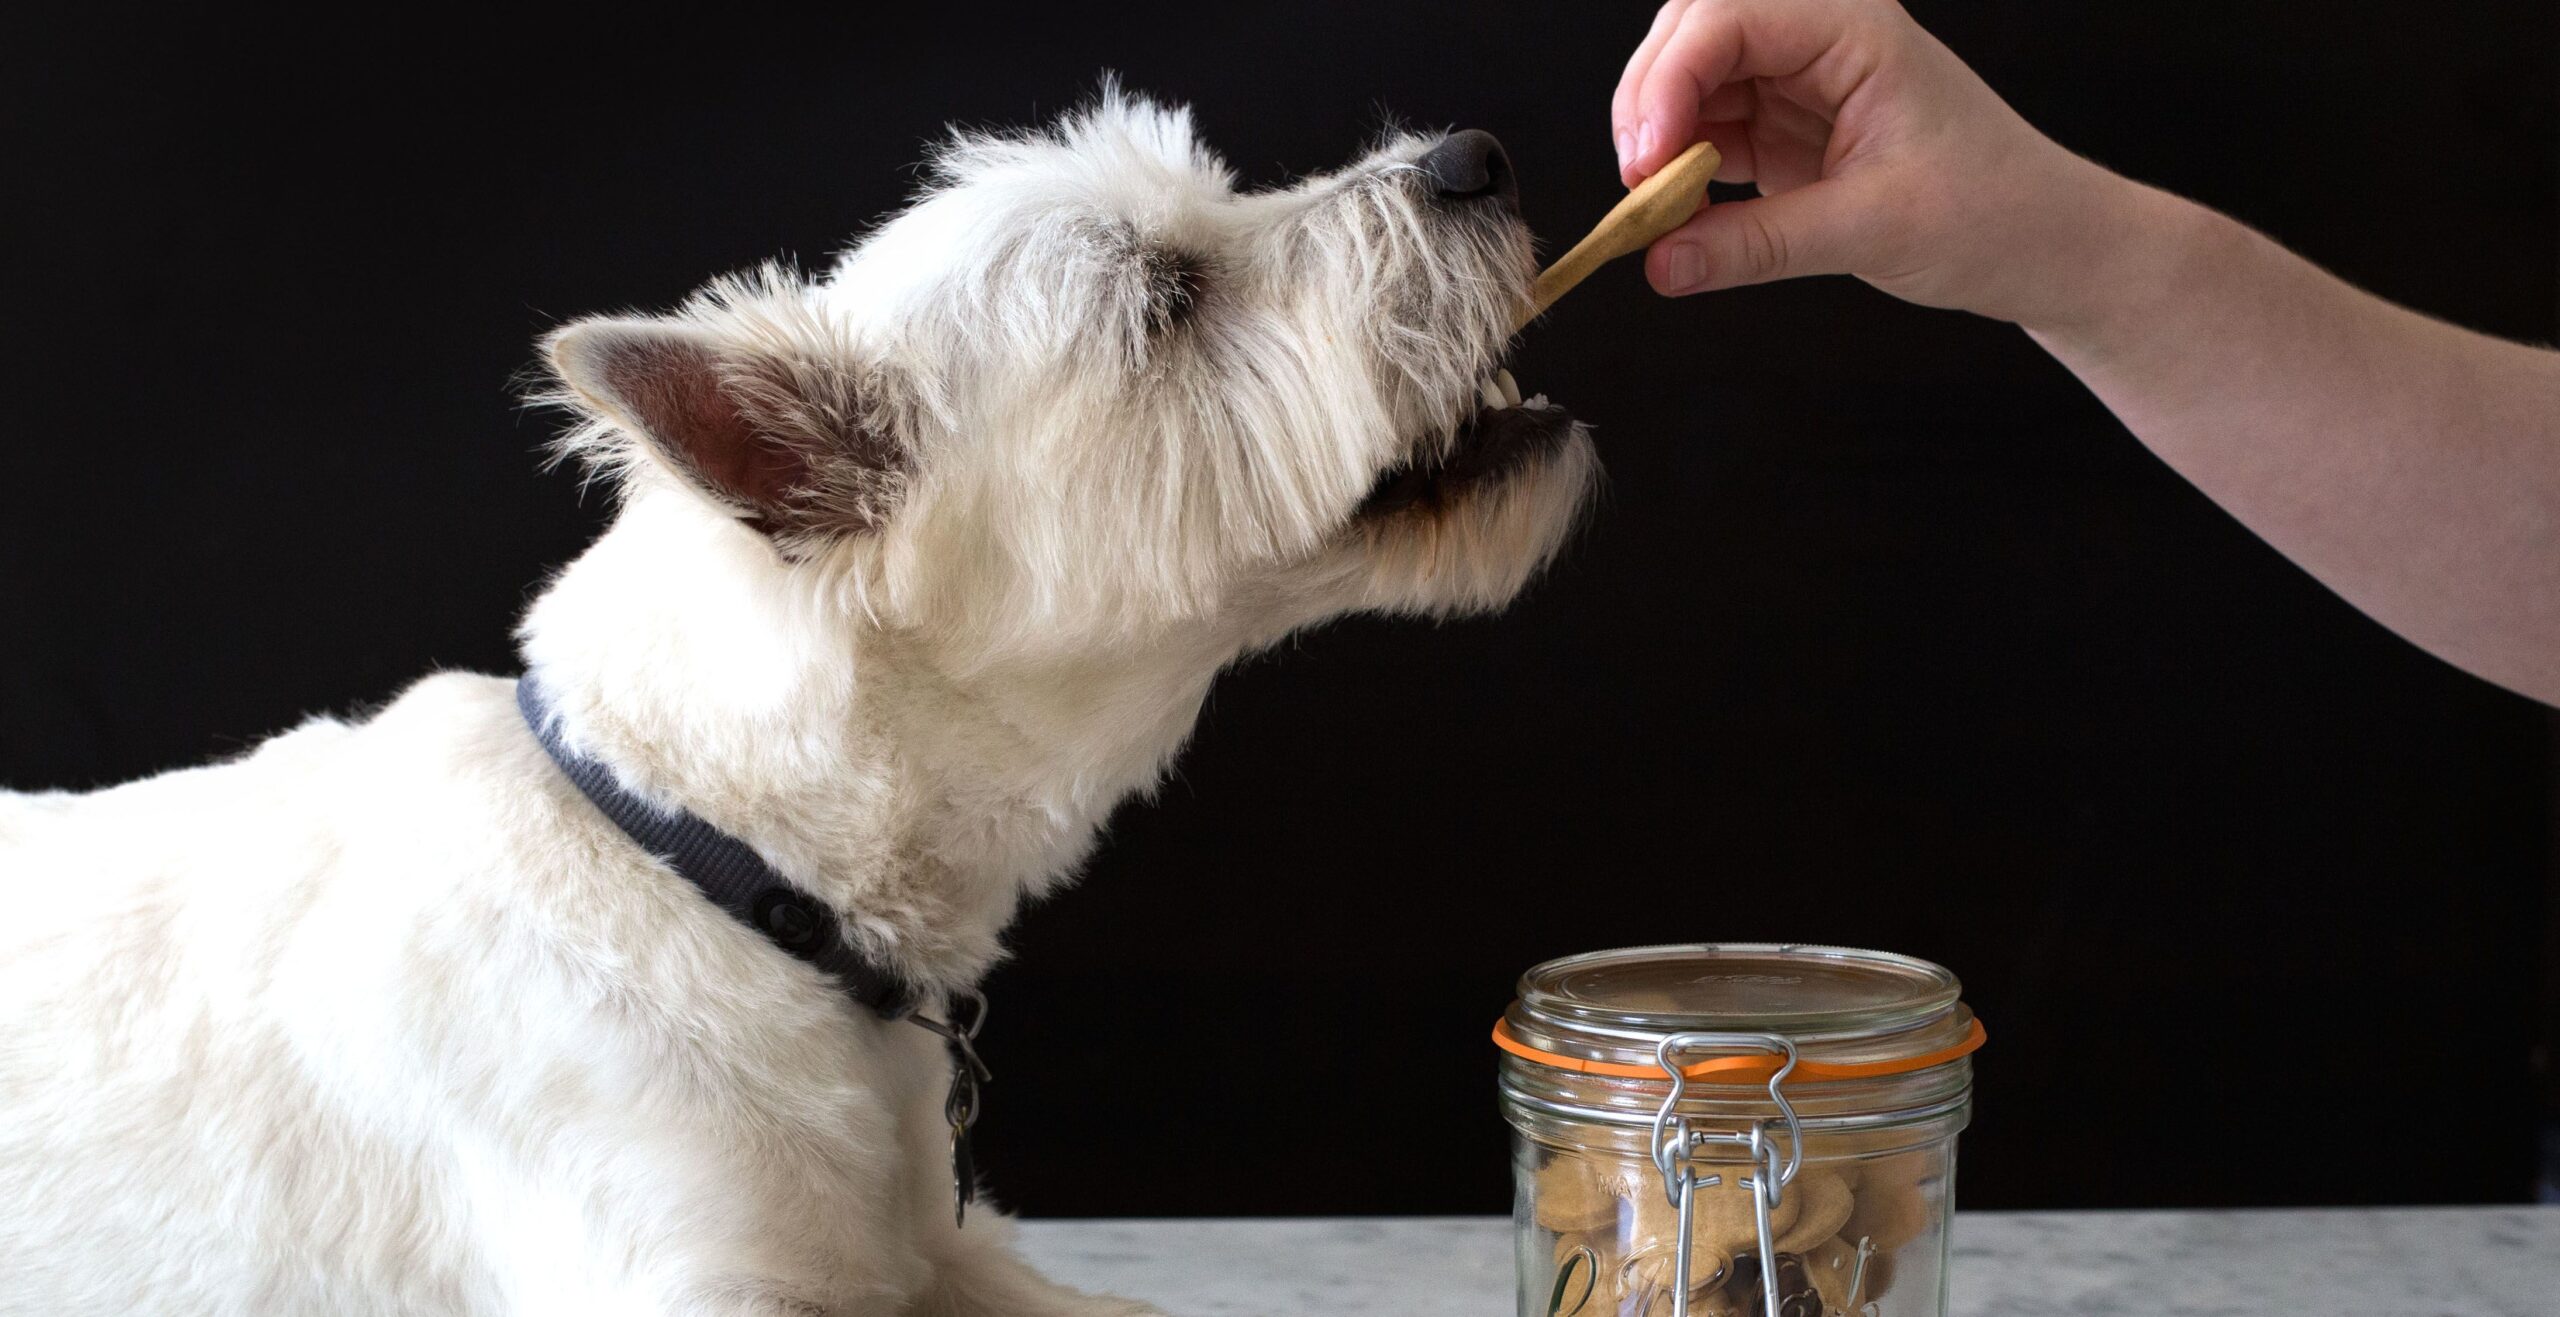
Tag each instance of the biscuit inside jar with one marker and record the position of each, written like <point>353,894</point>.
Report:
<point>1892,1203</point>
<point>1822,1205</point>
<point>1612,1221</point>
<point>1721,1217</point>
<point>1571,1197</point>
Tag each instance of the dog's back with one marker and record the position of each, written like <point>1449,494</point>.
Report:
<point>187,963</point>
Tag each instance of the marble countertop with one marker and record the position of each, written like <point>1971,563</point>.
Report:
<point>2395,1262</point>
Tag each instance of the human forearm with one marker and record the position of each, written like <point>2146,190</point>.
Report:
<point>2412,466</point>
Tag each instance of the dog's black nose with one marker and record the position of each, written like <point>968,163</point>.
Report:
<point>1470,164</point>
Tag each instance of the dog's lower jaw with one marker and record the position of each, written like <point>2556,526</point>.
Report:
<point>1475,549</point>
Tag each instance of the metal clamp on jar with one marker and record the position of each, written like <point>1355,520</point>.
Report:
<point>1735,1130</point>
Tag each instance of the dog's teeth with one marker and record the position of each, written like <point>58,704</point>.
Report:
<point>1510,387</point>
<point>1490,393</point>
<point>1538,400</point>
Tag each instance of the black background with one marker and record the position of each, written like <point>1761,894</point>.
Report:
<point>1886,635</point>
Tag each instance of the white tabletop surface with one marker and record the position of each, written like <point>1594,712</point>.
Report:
<point>2396,1262</point>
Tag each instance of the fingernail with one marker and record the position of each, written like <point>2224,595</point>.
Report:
<point>1644,140</point>
<point>1626,148</point>
<point>1683,267</point>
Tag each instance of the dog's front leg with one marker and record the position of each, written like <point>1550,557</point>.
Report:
<point>990,1281</point>
<point>975,1272</point>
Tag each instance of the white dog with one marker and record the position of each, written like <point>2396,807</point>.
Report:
<point>921,568</point>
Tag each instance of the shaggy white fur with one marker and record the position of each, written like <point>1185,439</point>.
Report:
<point>922,567</point>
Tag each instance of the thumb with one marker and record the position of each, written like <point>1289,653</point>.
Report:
<point>1807,230</point>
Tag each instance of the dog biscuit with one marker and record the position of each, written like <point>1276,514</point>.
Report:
<point>1825,1207</point>
<point>1721,1216</point>
<point>1654,1267</point>
<point>1652,208</point>
<point>1571,1196</point>
<point>1798,1296</point>
<point>1832,1265</point>
<point>1614,1209</point>
<point>1892,1206</point>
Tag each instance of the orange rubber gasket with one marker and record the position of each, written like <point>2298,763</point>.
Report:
<point>1743,1069</point>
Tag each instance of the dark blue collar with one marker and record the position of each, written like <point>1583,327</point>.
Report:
<point>738,880</point>
<point>726,870</point>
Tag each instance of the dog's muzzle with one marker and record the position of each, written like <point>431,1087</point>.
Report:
<point>1470,166</point>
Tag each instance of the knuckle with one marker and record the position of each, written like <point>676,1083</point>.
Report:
<point>1764,247</point>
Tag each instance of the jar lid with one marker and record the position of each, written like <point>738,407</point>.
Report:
<point>1851,1014</point>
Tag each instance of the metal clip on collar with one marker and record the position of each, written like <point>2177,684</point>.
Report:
<point>1674,1146</point>
<point>960,1106</point>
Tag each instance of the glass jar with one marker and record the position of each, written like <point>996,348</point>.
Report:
<point>1735,1130</point>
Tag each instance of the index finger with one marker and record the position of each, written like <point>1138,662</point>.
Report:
<point>1622,102</point>
<point>1801,44</point>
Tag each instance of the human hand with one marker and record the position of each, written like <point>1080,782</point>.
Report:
<point>1877,153</point>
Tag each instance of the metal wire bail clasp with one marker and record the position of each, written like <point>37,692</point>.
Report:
<point>1675,1146</point>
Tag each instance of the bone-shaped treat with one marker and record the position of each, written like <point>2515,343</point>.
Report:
<point>1657,206</point>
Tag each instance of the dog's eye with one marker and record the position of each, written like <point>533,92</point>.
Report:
<point>1175,281</point>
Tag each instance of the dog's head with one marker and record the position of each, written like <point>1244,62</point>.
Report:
<point>1084,390</point>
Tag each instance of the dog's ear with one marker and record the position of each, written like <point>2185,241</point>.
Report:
<point>787,440</point>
